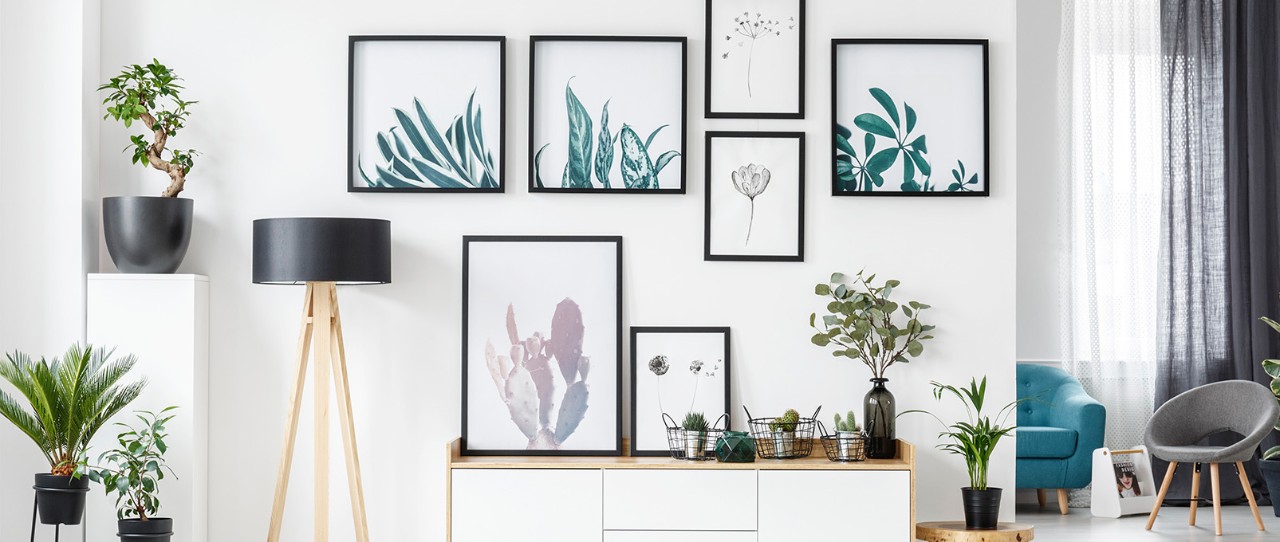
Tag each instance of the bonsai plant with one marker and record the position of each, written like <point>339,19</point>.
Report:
<point>150,234</point>
<point>695,428</point>
<point>70,398</point>
<point>784,432</point>
<point>1270,464</point>
<point>847,433</point>
<point>861,323</point>
<point>975,439</point>
<point>134,472</point>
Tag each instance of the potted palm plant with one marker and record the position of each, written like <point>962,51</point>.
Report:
<point>1270,464</point>
<point>975,439</point>
<point>134,472</point>
<point>70,398</point>
<point>149,234</point>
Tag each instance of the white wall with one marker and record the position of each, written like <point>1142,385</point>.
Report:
<point>271,78</point>
<point>48,193</point>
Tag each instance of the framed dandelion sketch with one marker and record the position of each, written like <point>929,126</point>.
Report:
<point>676,371</point>
<point>755,59</point>
<point>754,197</point>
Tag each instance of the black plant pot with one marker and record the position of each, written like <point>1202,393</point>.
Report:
<point>60,499</point>
<point>879,412</point>
<point>1271,473</point>
<point>981,508</point>
<point>147,234</point>
<point>151,530</point>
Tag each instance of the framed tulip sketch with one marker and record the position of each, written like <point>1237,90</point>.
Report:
<point>754,196</point>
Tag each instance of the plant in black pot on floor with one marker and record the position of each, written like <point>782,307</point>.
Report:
<point>69,399</point>
<point>1270,463</point>
<point>147,234</point>
<point>975,439</point>
<point>133,473</point>
<point>863,324</point>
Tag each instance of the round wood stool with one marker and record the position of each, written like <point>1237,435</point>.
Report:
<point>954,531</point>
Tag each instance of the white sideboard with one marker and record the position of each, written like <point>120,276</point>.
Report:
<point>656,499</point>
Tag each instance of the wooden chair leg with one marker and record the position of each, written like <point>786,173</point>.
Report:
<point>1217,500</point>
<point>1062,501</point>
<point>1195,494</point>
<point>1164,490</point>
<point>1248,492</point>
<point>1040,497</point>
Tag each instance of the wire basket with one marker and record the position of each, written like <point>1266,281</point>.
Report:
<point>694,445</point>
<point>844,448</point>
<point>783,444</point>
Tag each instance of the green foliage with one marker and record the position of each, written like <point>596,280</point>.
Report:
<point>787,422</point>
<point>975,438</point>
<point>137,466</point>
<point>695,421</point>
<point>418,155</point>
<point>848,423</point>
<point>70,399</point>
<point>604,158</point>
<point>961,185</point>
<point>1272,367</point>
<point>577,172</point>
<point>867,172</point>
<point>861,324</point>
<point>150,94</point>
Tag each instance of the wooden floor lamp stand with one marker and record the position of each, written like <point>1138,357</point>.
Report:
<point>320,321</point>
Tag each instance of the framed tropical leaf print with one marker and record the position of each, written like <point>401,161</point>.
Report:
<point>910,117</point>
<point>426,114</point>
<point>755,59</point>
<point>607,114</point>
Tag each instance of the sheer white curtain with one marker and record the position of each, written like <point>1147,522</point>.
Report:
<point>1110,57</point>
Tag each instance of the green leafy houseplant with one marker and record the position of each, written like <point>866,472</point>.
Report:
<point>70,398</point>
<point>860,323</point>
<point>151,95</point>
<point>137,466</point>
<point>1272,367</point>
<point>976,438</point>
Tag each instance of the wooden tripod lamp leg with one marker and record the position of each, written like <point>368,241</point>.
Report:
<point>348,427</point>
<point>291,424</point>
<point>323,337</point>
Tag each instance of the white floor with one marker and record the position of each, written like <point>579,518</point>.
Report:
<point>1237,524</point>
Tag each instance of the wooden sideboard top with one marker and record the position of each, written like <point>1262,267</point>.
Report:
<point>906,460</point>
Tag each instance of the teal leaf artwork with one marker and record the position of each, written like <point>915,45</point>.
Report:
<point>416,154</point>
<point>901,145</point>
<point>577,172</point>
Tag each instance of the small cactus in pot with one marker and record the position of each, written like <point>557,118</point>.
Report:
<point>695,428</point>
<point>783,429</point>
<point>848,434</point>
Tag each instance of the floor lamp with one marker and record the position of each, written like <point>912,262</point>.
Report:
<point>321,253</point>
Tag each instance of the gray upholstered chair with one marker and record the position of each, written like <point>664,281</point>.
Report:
<point>1240,406</point>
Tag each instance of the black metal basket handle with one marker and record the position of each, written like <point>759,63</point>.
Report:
<point>821,428</point>
<point>723,417</point>
<point>666,418</point>
<point>748,411</point>
<point>815,413</point>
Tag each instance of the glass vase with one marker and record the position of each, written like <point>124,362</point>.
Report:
<point>879,412</point>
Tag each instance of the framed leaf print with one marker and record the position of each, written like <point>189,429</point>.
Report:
<point>755,59</point>
<point>754,197</point>
<point>426,114</point>
<point>607,114</point>
<point>675,370</point>
<point>910,117</point>
<point>542,345</point>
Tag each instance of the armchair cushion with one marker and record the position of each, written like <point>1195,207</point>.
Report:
<point>1059,427</point>
<point>1046,442</point>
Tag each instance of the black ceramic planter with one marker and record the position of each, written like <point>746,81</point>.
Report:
<point>981,508</point>
<point>151,530</point>
<point>1271,473</point>
<point>147,234</point>
<point>60,499</point>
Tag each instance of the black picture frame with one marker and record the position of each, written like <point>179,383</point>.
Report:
<point>836,44</point>
<point>467,241</point>
<point>354,40</point>
<point>709,109</point>
<point>633,448</point>
<point>708,162</point>
<point>684,111</point>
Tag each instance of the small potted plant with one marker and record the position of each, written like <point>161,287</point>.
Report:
<point>147,234</point>
<point>848,435</point>
<point>783,429</point>
<point>1270,464</point>
<point>133,473</point>
<point>975,439</point>
<point>70,398</point>
<point>695,428</point>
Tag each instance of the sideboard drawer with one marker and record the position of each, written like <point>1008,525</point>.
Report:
<point>679,536</point>
<point>525,504</point>
<point>680,500</point>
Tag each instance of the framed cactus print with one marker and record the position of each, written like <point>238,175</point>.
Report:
<point>910,117</point>
<point>541,345</point>
<point>754,197</point>
<point>607,114</point>
<point>676,371</point>
<point>755,59</point>
<point>426,113</point>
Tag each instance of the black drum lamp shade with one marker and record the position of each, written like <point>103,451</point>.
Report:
<point>313,249</point>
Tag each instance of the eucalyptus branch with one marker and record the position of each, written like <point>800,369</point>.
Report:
<point>859,323</point>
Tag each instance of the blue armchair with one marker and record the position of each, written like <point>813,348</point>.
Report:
<point>1059,427</point>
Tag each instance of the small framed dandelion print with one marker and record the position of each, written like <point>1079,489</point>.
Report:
<point>755,59</point>
<point>754,197</point>
<point>676,371</point>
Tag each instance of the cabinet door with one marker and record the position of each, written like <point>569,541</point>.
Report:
<point>801,505</point>
<point>680,500</point>
<point>679,536</point>
<point>491,505</point>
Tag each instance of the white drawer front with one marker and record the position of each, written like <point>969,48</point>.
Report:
<point>679,536</point>
<point>680,500</point>
<point>877,502</point>
<point>491,505</point>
